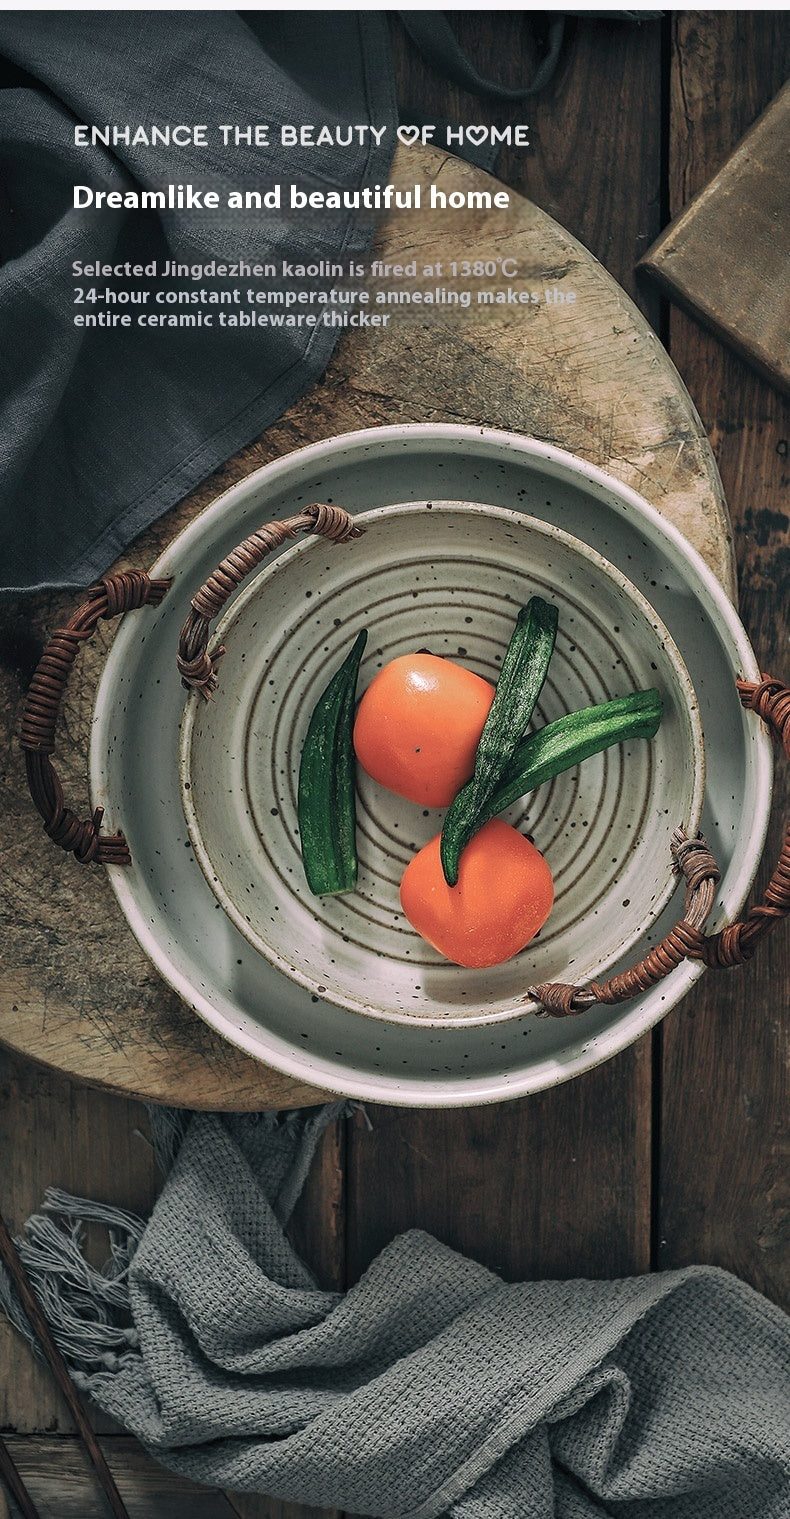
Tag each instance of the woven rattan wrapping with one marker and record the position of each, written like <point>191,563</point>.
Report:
<point>694,859</point>
<point>198,668</point>
<point>738,942</point>
<point>111,596</point>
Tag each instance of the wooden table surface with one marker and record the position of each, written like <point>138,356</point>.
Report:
<point>674,1151</point>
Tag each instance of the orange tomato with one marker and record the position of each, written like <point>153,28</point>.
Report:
<point>504,895</point>
<point>418,726</point>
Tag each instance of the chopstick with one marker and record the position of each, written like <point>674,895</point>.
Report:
<point>30,1303</point>
<point>16,1486</point>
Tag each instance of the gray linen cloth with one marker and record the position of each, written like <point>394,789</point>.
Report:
<point>430,1387</point>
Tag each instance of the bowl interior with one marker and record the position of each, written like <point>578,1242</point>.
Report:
<point>449,577</point>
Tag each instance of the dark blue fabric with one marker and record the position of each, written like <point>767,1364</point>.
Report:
<point>102,430</point>
<point>438,43</point>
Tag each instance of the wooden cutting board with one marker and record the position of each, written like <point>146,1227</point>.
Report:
<point>726,257</point>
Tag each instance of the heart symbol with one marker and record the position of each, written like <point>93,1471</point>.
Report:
<point>408,135</point>
<point>477,135</point>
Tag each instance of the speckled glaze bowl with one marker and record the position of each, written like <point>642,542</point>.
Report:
<point>449,576</point>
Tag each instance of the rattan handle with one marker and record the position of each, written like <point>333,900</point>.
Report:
<point>108,598</point>
<point>198,668</point>
<point>736,943</point>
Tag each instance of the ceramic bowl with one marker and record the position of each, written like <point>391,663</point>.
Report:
<point>164,894</point>
<point>448,576</point>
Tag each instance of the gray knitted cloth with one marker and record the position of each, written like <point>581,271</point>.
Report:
<point>432,1386</point>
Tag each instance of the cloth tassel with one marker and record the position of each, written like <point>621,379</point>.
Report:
<point>88,1308</point>
<point>290,1192</point>
<point>168,1127</point>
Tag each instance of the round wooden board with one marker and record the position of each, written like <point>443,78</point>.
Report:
<point>76,992</point>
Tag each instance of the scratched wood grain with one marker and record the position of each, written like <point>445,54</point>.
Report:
<point>725,1150</point>
<point>63,1486</point>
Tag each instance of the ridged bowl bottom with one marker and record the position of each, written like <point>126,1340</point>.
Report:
<point>449,577</point>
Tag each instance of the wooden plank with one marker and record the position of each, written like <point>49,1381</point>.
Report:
<point>318,1228</point>
<point>63,1486</point>
<point>559,1183</point>
<point>248,1506</point>
<point>53,1133</point>
<point>594,159</point>
<point>725,256</point>
<point>724,1151</point>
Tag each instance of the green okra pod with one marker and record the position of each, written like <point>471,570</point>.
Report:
<point>573,738</point>
<point>520,683</point>
<point>326,801</point>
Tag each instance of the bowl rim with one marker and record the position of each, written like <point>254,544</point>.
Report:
<point>587,1050</point>
<point>257,587</point>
